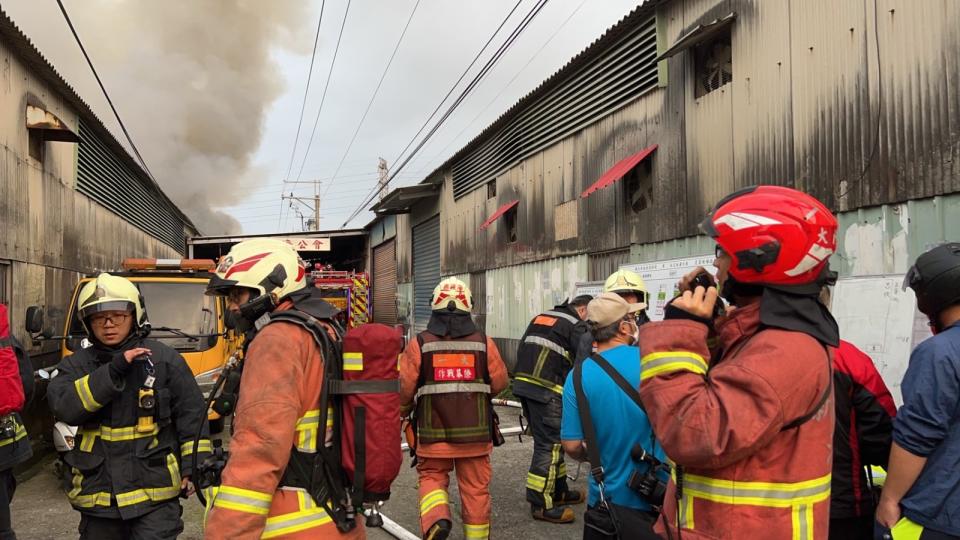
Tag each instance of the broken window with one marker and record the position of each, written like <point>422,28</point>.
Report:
<point>713,63</point>
<point>492,188</point>
<point>639,186</point>
<point>510,224</point>
<point>37,144</point>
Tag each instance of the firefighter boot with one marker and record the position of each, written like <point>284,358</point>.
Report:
<point>570,496</point>
<point>557,514</point>
<point>439,530</point>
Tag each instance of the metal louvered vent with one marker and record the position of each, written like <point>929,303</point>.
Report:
<point>110,182</point>
<point>621,74</point>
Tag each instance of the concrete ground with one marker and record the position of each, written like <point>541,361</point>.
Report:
<point>41,511</point>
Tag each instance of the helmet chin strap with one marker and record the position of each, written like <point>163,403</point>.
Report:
<point>254,309</point>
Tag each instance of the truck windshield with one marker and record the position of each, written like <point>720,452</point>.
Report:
<point>179,305</point>
<point>183,306</point>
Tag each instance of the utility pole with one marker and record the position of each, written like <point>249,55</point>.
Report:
<point>312,204</point>
<point>384,173</point>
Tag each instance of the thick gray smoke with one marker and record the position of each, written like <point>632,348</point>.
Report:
<point>193,81</point>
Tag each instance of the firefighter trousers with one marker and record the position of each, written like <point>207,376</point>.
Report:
<point>161,523</point>
<point>547,479</point>
<point>473,481</point>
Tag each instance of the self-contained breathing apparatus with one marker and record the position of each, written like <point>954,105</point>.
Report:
<point>339,491</point>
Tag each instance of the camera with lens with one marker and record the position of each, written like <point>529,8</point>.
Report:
<point>8,427</point>
<point>647,483</point>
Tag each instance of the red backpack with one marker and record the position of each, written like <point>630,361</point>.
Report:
<point>370,435</point>
<point>11,387</point>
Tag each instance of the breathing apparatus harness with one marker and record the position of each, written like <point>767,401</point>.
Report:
<point>320,474</point>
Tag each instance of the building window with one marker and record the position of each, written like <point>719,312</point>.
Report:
<point>37,144</point>
<point>510,224</point>
<point>713,63</point>
<point>5,283</point>
<point>639,186</point>
<point>492,188</point>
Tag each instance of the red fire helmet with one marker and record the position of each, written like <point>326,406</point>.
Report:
<point>775,235</point>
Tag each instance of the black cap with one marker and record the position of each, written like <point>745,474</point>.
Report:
<point>935,278</point>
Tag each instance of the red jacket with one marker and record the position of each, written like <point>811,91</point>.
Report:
<point>722,421</point>
<point>864,430</point>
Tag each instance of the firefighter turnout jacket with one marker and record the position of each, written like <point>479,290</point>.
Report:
<point>452,380</point>
<point>747,472</point>
<point>546,353</point>
<point>128,459</point>
<point>277,412</point>
<point>15,450</point>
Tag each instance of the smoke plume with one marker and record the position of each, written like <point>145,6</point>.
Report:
<point>193,81</point>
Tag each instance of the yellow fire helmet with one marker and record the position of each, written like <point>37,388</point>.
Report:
<point>265,265</point>
<point>452,291</point>
<point>110,293</point>
<point>626,281</point>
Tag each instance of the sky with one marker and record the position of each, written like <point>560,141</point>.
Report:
<point>212,90</point>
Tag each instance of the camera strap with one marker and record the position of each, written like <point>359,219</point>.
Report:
<point>589,433</point>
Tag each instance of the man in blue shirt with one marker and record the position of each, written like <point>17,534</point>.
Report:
<point>618,421</point>
<point>921,496</point>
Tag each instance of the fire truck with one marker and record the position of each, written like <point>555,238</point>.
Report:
<point>348,291</point>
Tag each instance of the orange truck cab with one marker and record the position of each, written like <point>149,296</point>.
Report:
<point>180,314</point>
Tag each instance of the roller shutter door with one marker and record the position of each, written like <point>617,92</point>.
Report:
<point>426,269</point>
<point>385,283</point>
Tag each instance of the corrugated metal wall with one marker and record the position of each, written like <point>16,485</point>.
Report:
<point>51,232</point>
<point>859,108</point>
<point>426,269</point>
<point>385,283</point>
<point>604,264</point>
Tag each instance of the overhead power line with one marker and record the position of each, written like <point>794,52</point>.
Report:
<point>553,36</point>
<point>103,89</point>
<point>323,96</point>
<point>374,96</point>
<point>306,92</point>
<point>303,107</point>
<point>497,55</point>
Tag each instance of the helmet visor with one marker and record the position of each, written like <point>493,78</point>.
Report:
<point>112,305</point>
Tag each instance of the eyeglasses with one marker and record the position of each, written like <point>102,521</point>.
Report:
<point>115,319</point>
<point>719,252</point>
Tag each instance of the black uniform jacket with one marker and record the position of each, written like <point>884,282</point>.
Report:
<point>128,459</point>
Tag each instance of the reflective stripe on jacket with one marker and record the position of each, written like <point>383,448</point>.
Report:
<point>116,469</point>
<point>278,410</point>
<point>744,475</point>
<point>546,353</point>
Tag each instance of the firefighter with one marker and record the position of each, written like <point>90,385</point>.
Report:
<point>544,358</point>
<point>265,491</point>
<point>448,374</point>
<point>138,408</point>
<point>14,444</point>
<point>630,286</point>
<point>750,428</point>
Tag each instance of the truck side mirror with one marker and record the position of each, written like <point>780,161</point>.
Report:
<point>34,319</point>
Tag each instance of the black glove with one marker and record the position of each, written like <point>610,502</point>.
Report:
<point>119,367</point>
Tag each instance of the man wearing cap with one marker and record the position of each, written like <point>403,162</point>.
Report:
<point>544,358</point>
<point>613,326</point>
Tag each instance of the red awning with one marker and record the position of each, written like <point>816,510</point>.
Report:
<point>619,170</point>
<point>500,211</point>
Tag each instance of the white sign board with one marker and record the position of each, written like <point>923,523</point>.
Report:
<point>593,288</point>
<point>306,243</point>
<point>661,279</point>
<point>881,319</point>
